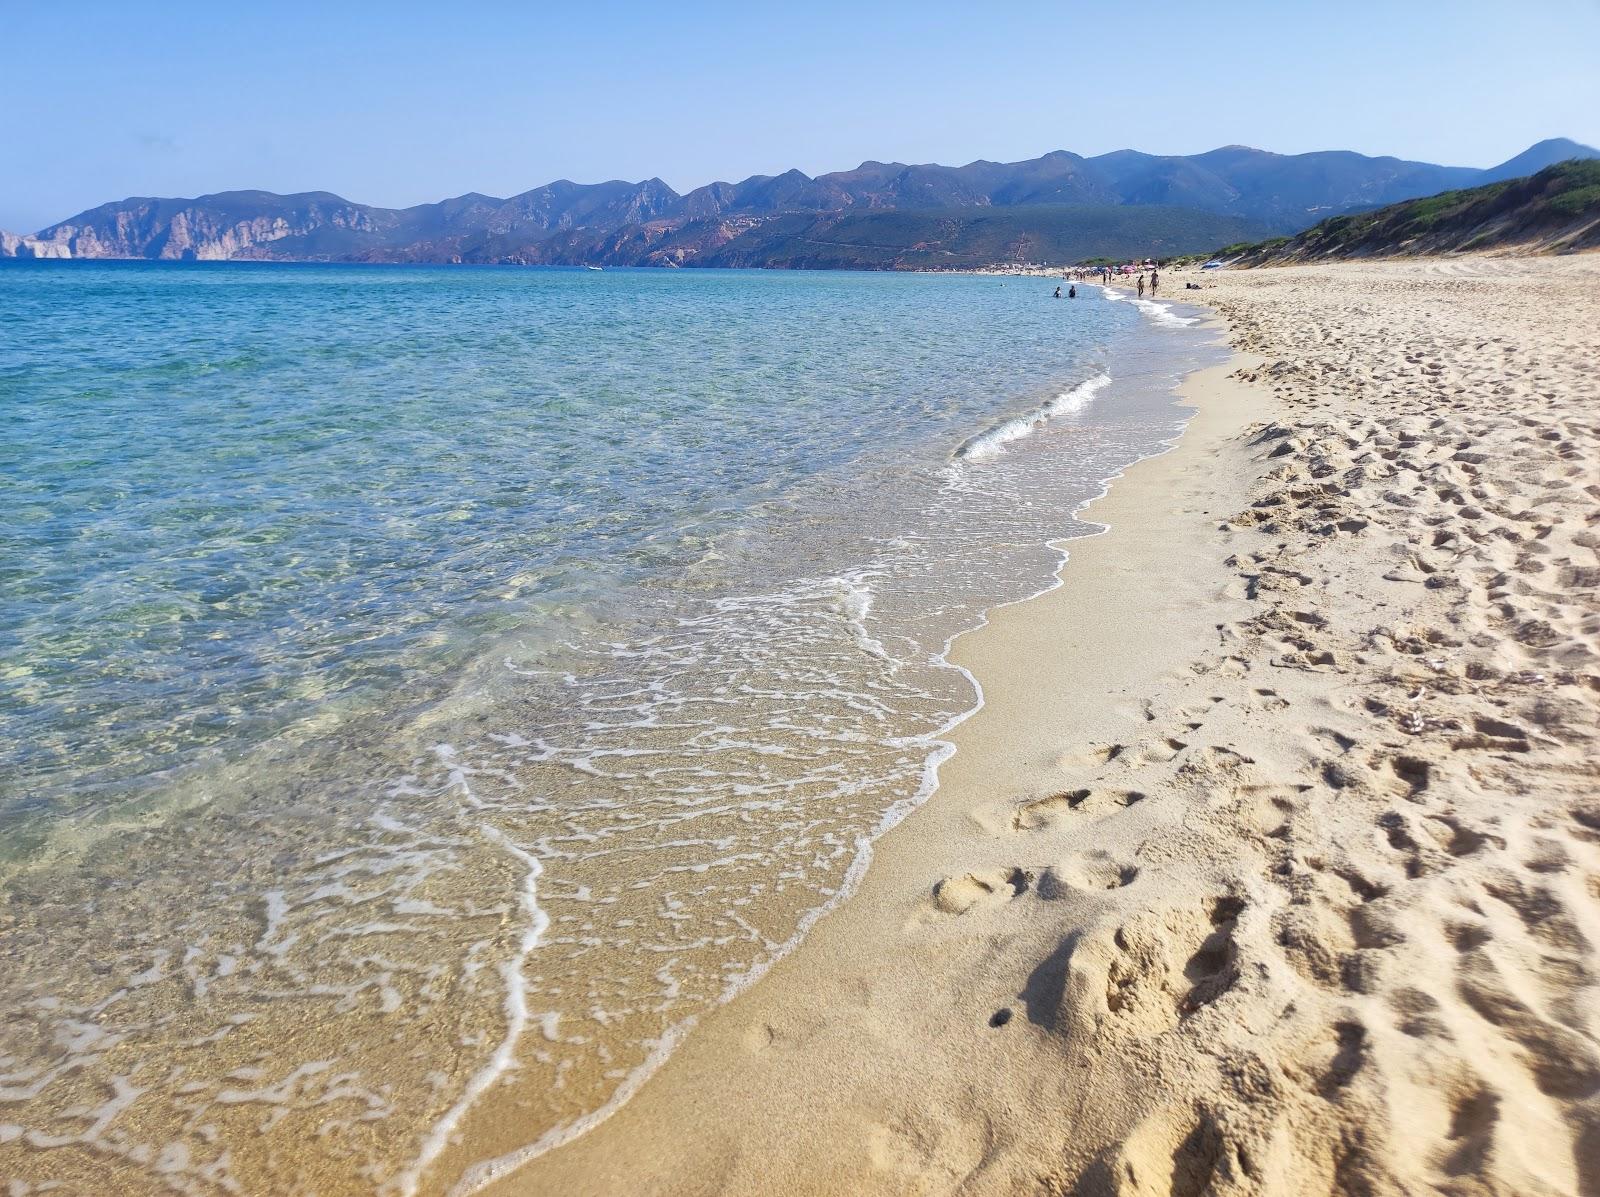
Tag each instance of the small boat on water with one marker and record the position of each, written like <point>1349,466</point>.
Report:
<point>594,267</point>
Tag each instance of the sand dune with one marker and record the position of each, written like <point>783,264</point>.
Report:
<point>1273,863</point>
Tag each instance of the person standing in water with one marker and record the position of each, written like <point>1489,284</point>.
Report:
<point>1141,285</point>
<point>1155,277</point>
<point>1072,292</point>
<point>1057,295</point>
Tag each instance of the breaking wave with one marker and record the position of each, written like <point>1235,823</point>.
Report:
<point>992,441</point>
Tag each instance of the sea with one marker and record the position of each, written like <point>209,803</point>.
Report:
<point>425,692</point>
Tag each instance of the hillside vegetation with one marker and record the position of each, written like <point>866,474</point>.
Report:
<point>1555,210</point>
<point>951,239</point>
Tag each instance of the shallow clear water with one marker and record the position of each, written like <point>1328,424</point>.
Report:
<point>423,691</point>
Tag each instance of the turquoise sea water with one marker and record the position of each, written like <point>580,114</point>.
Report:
<point>428,687</point>
<point>237,494</point>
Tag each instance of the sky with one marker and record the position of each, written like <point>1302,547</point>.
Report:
<point>402,103</point>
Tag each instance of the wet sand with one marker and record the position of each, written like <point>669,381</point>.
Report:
<point>1272,862</point>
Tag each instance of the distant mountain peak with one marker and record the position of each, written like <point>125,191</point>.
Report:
<point>1563,145</point>
<point>1538,156</point>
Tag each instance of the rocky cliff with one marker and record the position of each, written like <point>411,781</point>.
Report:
<point>211,228</point>
<point>13,246</point>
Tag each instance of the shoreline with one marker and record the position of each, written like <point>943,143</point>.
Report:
<point>500,1018</point>
<point>485,1174</point>
<point>1263,867</point>
<point>1199,393</point>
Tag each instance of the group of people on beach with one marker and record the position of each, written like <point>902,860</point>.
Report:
<point>1104,275</point>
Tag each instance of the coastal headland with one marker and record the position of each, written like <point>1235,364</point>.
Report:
<point>1272,862</point>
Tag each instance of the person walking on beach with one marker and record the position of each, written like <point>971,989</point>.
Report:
<point>1155,277</point>
<point>1141,285</point>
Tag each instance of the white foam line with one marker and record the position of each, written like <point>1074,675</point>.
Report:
<point>856,603</point>
<point>992,442</point>
<point>489,1171</point>
<point>486,1172</point>
<point>516,1002</point>
<point>1161,313</point>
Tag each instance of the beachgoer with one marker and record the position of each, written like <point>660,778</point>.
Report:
<point>1058,293</point>
<point>1072,292</point>
<point>1141,286</point>
<point>1155,277</point>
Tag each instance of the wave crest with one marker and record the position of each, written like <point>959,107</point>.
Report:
<point>992,441</point>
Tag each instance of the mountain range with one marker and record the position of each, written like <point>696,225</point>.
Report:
<point>881,214</point>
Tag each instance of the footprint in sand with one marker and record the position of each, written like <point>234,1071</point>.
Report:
<point>1046,812</point>
<point>1097,870</point>
<point>1159,752</point>
<point>1091,756</point>
<point>1268,700</point>
<point>957,895</point>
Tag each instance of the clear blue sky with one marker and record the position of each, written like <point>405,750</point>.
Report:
<point>401,103</point>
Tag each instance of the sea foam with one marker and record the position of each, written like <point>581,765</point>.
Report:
<point>992,441</point>
<point>1161,313</point>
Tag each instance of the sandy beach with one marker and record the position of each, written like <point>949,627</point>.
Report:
<point>1272,862</point>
